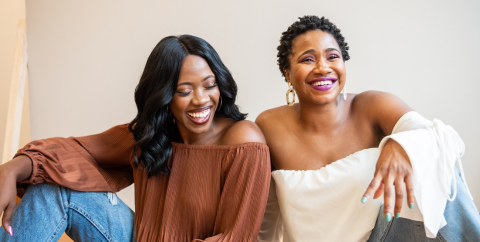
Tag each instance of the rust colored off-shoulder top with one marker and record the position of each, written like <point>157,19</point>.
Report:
<point>214,193</point>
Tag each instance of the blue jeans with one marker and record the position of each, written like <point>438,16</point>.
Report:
<point>46,211</point>
<point>463,223</point>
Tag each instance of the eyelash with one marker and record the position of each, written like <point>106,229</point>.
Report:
<point>212,86</point>
<point>307,59</point>
<point>333,56</point>
<point>186,93</point>
<point>183,93</point>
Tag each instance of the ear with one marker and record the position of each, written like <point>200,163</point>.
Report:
<point>286,73</point>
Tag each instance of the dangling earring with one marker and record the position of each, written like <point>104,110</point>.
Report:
<point>219,106</point>
<point>292,91</point>
<point>344,91</point>
<point>173,120</point>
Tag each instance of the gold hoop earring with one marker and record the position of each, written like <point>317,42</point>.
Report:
<point>292,91</point>
<point>219,106</point>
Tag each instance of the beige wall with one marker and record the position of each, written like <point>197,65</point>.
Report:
<point>10,12</point>
<point>85,57</point>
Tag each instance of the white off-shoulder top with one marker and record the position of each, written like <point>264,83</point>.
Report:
<point>324,204</point>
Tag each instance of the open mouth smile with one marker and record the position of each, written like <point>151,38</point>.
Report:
<point>201,115</point>
<point>323,84</point>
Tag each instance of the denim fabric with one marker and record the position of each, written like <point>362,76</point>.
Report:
<point>463,223</point>
<point>46,211</point>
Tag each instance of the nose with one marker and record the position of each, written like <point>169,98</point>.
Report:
<point>200,98</point>
<point>322,67</point>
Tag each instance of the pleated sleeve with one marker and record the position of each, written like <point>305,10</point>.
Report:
<point>100,162</point>
<point>244,196</point>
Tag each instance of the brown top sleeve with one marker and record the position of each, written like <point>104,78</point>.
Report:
<point>244,196</point>
<point>100,162</point>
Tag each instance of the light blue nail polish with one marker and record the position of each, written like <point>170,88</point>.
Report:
<point>388,217</point>
<point>364,199</point>
<point>411,205</point>
<point>397,215</point>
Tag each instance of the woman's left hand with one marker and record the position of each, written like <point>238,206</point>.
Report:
<point>392,171</point>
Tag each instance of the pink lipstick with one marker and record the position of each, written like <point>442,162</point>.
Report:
<point>323,84</point>
<point>201,115</point>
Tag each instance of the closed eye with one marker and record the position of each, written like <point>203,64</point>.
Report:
<point>212,86</point>
<point>184,93</point>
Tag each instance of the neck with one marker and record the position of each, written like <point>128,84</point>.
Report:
<point>206,138</point>
<point>322,117</point>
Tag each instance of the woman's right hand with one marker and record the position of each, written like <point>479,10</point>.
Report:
<point>18,169</point>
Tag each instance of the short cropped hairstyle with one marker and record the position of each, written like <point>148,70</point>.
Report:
<point>304,24</point>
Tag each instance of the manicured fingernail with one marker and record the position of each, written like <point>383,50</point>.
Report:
<point>364,199</point>
<point>397,215</point>
<point>411,205</point>
<point>388,217</point>
<point>10,230</point>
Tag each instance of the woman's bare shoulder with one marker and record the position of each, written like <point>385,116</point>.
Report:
<point>382,109</point>
<point>377,99</point>
<point>243,131</point>
<point>273,116</point>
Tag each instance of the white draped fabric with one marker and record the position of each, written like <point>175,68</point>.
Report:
<point>324,204</point>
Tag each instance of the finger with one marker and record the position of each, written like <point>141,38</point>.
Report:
<point>2,213</point>
<point>379,191</point>
<point>372,187</point>
<point>7,218</point>
<point>399,194</point>
<point>410,194</point>
<point>389,199</point>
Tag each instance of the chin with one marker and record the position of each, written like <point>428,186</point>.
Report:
<point>198,129</point>
<point>323,99</point>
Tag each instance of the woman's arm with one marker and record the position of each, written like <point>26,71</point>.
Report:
<point>420,154</point>
<point>15,170</point>
<point>433,149</point>
<point>98,162</point>
<point>393,168</point>
<point>244,195</point>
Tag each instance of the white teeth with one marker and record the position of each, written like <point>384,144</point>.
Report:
<point>200,115</point>
<point>322,83</point>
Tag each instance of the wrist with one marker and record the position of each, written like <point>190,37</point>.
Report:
<point>19,168</point>
<point>7,171</point>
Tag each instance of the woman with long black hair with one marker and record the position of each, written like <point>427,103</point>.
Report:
<point>201,172</point>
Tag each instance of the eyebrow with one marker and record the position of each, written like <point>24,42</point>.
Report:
<point>313,50</point>
<point>204,79</point>
<point>306,52</point>
<point>189,83</point>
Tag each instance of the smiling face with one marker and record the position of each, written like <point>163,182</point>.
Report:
<point>196,98</point>
<point>317,70</point>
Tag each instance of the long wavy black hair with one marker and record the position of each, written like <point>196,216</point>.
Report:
<point>153,127</point>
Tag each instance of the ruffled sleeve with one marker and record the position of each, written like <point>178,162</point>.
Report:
<point>100,162</point>
<point>433,149</point>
